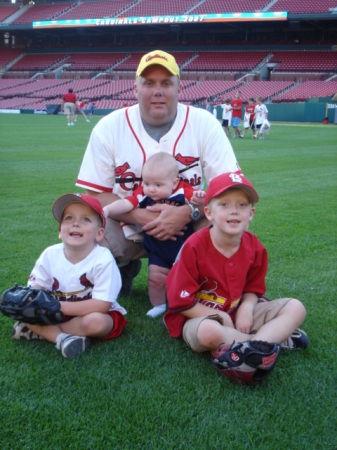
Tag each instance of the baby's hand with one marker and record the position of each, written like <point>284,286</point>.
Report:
<point>198,198</point>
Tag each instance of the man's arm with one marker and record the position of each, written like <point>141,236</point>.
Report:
<point>160,221</point>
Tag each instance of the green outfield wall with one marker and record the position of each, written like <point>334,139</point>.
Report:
<point>313,110</point>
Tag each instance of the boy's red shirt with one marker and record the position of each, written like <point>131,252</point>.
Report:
<point>204,275</point>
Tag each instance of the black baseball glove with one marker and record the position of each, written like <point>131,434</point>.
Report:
<point>246,362</point>
<point>30,305</point>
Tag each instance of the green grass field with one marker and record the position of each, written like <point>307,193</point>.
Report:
<point>146,390</point>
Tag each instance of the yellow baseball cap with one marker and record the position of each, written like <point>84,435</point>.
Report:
<point>158,57</point>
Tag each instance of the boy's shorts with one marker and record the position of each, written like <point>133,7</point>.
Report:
<point>119,324</point>
<point>263,312</point>
<point>236,121</point>
<point>225,122</point>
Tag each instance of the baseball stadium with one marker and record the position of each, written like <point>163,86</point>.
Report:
<point>146,390</point>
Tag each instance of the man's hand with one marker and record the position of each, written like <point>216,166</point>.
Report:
<point>170,222</point>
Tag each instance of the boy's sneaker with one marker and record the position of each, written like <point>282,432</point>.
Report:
<point>254,137</point>
<point>298,339</point>
<point>21,332</point>
<point>72,346</point>
<point>261,138</point>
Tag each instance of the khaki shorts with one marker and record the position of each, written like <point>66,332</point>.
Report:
<point>69,108</point>
<point>263,312</point>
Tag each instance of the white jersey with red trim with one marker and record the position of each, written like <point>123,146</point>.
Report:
<point>119,145</point>
<point>97,276</point>
<point>261,113</point>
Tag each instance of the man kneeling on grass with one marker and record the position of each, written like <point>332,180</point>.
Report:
<point>83,275</point>
<point>214,290</point>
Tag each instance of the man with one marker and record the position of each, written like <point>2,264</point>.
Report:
<point>68,105</point>
<point>122,141</point>
<point>236,114</point>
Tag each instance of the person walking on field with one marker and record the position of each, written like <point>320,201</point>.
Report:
<point>261,122</point>
<point>249,117</point>
<point>68,106</point>
<point>226,116</point>
<point>236,105</point>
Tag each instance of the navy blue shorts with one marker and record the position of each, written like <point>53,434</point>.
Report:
<point>164,253</point>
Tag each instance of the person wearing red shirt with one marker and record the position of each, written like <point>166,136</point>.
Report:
<point>215,288</point>
<point>68,106</point>
<point>79,109</point>
<point>249,117</point>
<point>236,114</point>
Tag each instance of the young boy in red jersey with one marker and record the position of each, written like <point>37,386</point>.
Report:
<point>214,290</point>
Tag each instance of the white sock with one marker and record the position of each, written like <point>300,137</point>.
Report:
<point>59,339</point>
<point>156,311</point>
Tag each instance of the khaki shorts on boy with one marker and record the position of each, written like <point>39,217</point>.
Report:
<point>263,312</point>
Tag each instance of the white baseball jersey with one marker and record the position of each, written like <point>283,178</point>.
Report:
<point>261,113</point>
<point>119,145</point>
<point>97,276</point>
<point>226,112</point>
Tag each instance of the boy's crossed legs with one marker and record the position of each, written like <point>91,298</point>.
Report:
<point>274,321</point>
<point>73,336</point>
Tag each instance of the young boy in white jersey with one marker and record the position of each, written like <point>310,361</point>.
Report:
<point>160,184</point>
<point>226,116</point>
<point>214,290</point>
<point>83,275</point>
<point>262,124</point>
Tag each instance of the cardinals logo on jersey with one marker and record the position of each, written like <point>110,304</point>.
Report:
<point>75,296</point>
<point>85,282</point>
<point>124,177</point>
<point>189,162</point>
<point>207,295</point>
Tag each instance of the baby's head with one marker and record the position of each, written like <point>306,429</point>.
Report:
<point>160,176</point>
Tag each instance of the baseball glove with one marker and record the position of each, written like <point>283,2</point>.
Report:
<point>29,305</point>
<point>246,362</point>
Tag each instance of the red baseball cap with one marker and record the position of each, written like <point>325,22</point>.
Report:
<point>62,202</point>
<point>230,180</point>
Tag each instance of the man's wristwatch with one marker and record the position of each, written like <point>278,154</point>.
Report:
<point>195,213</point>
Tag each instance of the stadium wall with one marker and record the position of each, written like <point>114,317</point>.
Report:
<point>312,111</point>
<point>299,112</point>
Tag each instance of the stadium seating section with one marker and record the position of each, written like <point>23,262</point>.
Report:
<point>116,8</point>
<point>33,78</point>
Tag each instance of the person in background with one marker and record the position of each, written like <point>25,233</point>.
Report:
<point>79,109</point>
<point>261,121</point>
<point>236,105</point>
<point>249,117</point>
<point>226,116</point>
<point>68,106</point>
